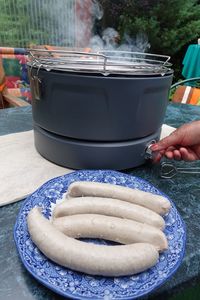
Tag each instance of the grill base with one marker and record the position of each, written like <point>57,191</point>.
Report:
<point>79,154</point>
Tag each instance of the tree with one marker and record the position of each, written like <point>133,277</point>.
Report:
<point>169,25</point>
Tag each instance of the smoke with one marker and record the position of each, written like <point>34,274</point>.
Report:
<point>87,12</point>
<point>71,23</point>
<point>96,10</point>
<point>138,44</point>
<point>108,41</point>
<point>111,40</point>
<point>92,6</point>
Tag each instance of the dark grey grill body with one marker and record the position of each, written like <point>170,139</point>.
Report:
<point>77,111</point>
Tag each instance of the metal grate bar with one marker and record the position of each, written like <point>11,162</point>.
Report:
<point>105,62</point>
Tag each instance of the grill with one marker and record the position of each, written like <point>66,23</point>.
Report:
<point>103,62</point>
<point>98,110</point>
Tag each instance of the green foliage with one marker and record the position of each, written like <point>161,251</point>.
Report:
<point>169,25</point>
<point>10,25</point>
<point>18,26</point>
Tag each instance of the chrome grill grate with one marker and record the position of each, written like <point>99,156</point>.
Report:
<point>104,62</point>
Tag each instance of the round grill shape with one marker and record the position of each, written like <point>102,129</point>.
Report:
<point>97,110</point>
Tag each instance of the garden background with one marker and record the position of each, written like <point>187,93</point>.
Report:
<point>166,26</point>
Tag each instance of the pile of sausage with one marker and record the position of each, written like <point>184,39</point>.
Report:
<point>130,217</point>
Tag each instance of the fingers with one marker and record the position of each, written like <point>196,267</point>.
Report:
<point>177,155</point>
<point>169,146</point>
<point>173,154</point>
<point>182,153</point>
<point>169,153</point>
<point>173,139</point>
<point>185,136</point>
<point>188,154</point>
<point>157,156</point>
<point>182,144</point>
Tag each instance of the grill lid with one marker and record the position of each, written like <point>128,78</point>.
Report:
<point>105,62</point>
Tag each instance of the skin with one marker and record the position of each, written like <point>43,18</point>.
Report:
<point>111,228</point>
<point>153,202</point>
<point>109,207</point>
<point>120,260</point>
<point>182,144</point>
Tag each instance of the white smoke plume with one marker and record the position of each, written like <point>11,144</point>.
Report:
<point>110,38</point>
<point>88,11</point>
<point>71,23</point>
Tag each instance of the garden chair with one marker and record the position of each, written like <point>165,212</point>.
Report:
<point>184,93</point>
<point>14,83</point>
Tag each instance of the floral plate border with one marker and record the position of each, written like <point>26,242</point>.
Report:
<point>77,285</point>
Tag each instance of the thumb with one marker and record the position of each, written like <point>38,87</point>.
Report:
<point>171,140</point>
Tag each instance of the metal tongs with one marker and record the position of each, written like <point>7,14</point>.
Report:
<point>168,170</point>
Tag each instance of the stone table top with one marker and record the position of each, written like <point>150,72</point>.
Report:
<point>16,283</point>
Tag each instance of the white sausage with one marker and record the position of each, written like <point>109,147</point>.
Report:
<point>154,202</point>
<point>111,228</point>
<point>85,257</point>
<point>109,207</point>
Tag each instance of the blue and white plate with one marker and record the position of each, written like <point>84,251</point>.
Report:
<point>77,285</point>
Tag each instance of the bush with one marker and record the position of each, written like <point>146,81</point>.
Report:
<point>169,25</point>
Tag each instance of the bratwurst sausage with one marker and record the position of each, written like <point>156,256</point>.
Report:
<point>154,202</point>
<point>112,229</point>
<point>108,207</point>
<point>120,260</point>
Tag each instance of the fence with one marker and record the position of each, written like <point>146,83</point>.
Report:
<point>26,22</point>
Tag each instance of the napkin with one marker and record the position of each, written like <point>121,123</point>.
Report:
<point>23,169</point>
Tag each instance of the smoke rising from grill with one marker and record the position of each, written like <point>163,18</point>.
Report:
<point>97,9</point>
<point>71,23</point>
<point>109,38</point>
<point>87,11</point>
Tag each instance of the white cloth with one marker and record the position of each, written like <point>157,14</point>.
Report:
<point>23,169</point>
<point>166,130</point>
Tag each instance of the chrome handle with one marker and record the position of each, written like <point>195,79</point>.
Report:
<point>148,152</point>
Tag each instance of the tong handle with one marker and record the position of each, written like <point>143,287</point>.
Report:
<point>189,170</point>
<point>168,170</point>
